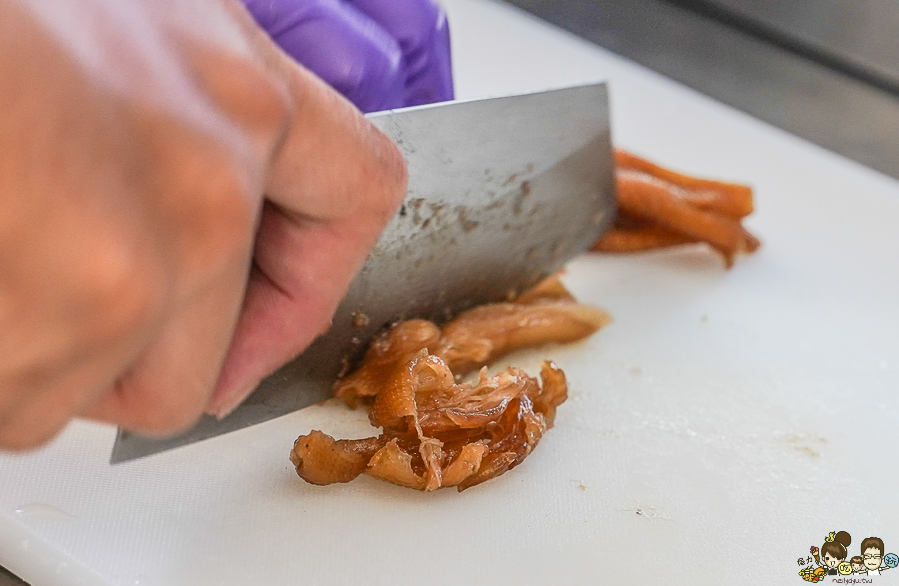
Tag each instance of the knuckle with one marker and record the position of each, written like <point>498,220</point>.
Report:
<point>157,414</point>
<point>258,103</point>
<point>22,442</point>
<point>118,291</point>
<point>270,107</point>
<point>224,211</point>
<point>210,207</point>
<point>26,434</point>
<point>253,98</point>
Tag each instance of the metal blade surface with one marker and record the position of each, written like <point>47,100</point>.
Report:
<point>502,192</point>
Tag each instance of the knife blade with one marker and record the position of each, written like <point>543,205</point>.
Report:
<point>502,192</point>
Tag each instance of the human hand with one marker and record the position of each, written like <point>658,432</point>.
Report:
<point>380,54</point>
<point>135,147</point>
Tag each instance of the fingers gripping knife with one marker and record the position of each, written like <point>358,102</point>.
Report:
<point>502,193</point>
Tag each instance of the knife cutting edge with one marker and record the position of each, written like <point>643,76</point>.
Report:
<point>502,193</point>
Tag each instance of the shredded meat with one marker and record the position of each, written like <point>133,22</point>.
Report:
<point>659,208</point>
<point>439,432</point>
<point>547,313</point>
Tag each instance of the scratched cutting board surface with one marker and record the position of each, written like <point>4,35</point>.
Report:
<point>725,422</point>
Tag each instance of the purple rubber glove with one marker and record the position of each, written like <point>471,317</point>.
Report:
<point>380,54</point>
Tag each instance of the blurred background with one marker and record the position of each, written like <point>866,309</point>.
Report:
<point>826,70</point>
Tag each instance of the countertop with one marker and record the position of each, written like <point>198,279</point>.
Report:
<point>820,69</point>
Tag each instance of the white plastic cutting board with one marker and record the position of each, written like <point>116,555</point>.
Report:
<point>725,422</point>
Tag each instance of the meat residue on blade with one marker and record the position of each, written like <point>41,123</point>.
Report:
<point>436,431</point>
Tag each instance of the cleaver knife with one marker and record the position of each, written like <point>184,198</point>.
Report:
<point>502,192</point>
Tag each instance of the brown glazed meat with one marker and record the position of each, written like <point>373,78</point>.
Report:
<point>547,313</point>
<point>658,208</point>
<point>438,432</point>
